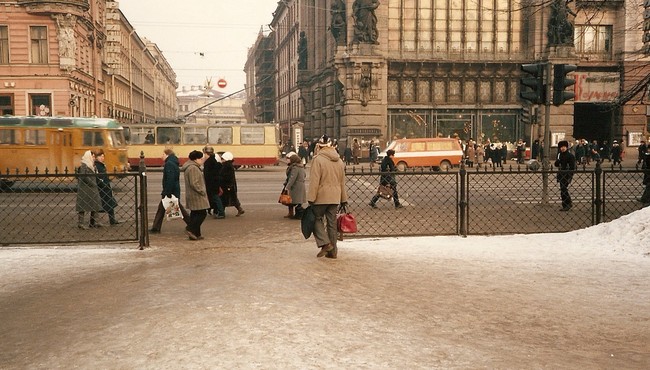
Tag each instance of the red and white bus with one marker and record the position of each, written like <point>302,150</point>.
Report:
<point>252,144</point>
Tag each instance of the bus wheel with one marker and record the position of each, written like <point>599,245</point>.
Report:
<point>445,166</point>
<point>401,166</point>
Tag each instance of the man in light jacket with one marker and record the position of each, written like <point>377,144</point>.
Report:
<point>326,192</point>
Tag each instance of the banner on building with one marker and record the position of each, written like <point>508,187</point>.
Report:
<point>594,87</point>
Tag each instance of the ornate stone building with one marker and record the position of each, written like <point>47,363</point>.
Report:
<point>56,59</point>
<point>260,80</point>
<point>406,68</point>
<point>285,24</point>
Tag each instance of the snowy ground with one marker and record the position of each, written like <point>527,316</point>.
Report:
<point>573,300</point>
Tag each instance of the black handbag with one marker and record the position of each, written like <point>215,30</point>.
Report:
<point>307,222</point>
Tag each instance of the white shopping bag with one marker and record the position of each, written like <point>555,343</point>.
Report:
<point>172,208</point>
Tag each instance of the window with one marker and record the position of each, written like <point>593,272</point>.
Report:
<point>93,138</point>
<point>117,139</point>
<point>169,135</point>
<point>40,104</point>
<point>591,39</point>
<point>4,45</point>
<point>194,135</point>
<point>7,104</point>
<point>252,135</point>
<point>220,135</point>
<point>34,137</point>
<point>38,36</point>
<point>9,136</point>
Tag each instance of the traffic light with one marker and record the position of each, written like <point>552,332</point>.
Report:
<point>561,82</point>
<point>533,88</point>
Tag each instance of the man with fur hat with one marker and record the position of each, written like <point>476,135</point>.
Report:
<point>326,192</point>
<point>566,164</point>
<point>616,153</point>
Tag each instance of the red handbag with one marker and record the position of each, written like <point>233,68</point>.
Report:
<point>345,221</point>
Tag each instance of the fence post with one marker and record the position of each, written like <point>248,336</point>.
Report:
<point>598,201</point>
<point>144,221</point>
<point>463,200</point>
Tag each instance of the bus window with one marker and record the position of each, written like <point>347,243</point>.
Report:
<point>194,135</point>
<point>138,135</point>
<point>252,135</point>
<point>99,139</point>
<point>169,135</point>
<point>220,135</point>
<point>34,137</point>
<point>10,136</point>
<point>92,138</point>
<point>116,139</point>
<point>87,139</point>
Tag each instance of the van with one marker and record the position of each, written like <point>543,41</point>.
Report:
<point>438,153</point>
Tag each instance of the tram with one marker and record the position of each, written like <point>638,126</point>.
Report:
<point>252,144</point>
<point>58,143</point>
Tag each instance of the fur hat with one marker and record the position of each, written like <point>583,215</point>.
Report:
<point>227,156</point>
<point>195,154</point>
<point>563,143</point>
<point>324,141</point>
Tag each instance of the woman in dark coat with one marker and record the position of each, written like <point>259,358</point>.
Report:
<point>211,172</point>
<point>171,185</point>
<point>566,164</point>
<point>229,183</point>
<point>88,199</point>
<point>387,178</point>
<point>105,190</point>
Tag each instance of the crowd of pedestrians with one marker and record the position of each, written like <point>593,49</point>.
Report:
<point>210,186</point>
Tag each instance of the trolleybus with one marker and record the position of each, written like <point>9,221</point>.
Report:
<point>252,144</point>
<point>58,143</point>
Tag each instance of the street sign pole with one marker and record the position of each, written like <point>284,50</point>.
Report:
<point>546,162</point>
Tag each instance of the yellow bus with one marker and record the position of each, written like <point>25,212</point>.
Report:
<point>58,143</point>
<point>252,144</point>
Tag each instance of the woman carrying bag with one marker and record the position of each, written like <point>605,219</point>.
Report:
<point>295,185</point>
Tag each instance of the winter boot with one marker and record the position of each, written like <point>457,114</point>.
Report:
<point>299,212</point>
<point>80,222</point>
<point>291,214</point>
<point>93,220</point>
<point>240,211</point>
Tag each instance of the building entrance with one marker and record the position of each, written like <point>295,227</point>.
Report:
<point>592,122</point>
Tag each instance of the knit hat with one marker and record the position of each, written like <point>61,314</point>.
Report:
<point>563,143</point>
<point>227,156</point>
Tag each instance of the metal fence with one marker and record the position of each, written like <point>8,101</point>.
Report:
<point>41,208</point>
<point>490,201</point>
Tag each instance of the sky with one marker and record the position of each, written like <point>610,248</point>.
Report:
<point>202,38</point>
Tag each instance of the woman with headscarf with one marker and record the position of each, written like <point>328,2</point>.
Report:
<point>88,199</point>
<point>229,184</point>
<point>295,184</point>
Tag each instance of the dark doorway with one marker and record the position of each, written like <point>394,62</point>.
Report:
<point>592,122</point>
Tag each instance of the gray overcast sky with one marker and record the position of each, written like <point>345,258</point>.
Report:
<point>222,30</point>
